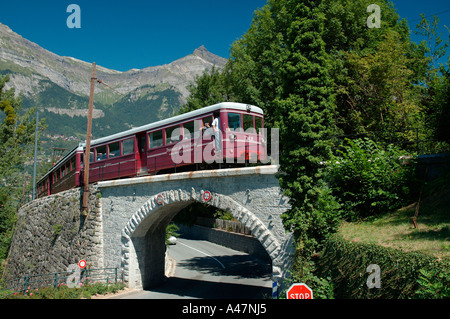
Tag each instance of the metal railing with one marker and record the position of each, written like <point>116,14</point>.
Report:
<point>28,283</point>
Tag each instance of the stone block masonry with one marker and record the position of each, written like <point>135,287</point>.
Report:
<point>51,233</point>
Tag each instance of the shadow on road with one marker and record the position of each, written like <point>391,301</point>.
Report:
<point>238,266</point>
<point>193,288</point>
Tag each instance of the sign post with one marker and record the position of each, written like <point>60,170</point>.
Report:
<point>299,291</point>
<point>275,290</point>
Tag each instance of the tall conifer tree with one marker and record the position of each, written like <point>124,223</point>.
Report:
<point>304,107</point>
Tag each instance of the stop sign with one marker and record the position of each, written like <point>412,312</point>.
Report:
<point>299,291</point>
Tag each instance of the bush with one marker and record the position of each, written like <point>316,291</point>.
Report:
<point>368,179</point>
<point>403,275</point>
<point>304,271</point>
<point>434,284</point>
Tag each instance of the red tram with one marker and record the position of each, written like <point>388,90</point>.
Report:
<point>150,149</point>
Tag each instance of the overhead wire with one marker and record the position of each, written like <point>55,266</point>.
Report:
<point>430,15</point>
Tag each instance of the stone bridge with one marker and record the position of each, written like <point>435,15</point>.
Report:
<point>127,226</point>
<point>137,211</point>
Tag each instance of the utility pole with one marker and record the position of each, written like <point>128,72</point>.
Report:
<point>88,143</point>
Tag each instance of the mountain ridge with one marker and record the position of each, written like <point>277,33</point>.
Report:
<point>74,74</point>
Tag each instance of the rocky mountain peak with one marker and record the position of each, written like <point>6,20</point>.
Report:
<point>203,53</point>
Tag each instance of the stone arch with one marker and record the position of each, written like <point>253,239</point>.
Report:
<point>142,270</point>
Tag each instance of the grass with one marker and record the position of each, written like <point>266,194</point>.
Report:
<point>86,290</point>
<point>396,229</point>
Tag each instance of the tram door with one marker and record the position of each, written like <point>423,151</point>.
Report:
<point>142,149</point>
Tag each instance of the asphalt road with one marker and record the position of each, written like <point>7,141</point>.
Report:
<point>205,270</point>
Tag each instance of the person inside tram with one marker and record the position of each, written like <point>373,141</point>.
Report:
<point>205,127</point>
<point>216,127</point>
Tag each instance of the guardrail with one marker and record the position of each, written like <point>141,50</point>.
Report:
<point>25,283</point>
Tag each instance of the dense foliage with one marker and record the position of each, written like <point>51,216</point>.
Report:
<point>369,179</point>
<point>16,146</point>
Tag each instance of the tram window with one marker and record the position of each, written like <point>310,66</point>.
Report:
<point>101,153</point>
<point>128,146</point>
<point>258,122</point>
<point>172,134</point>
<point>248,122</point>
<point>114,149</point>
<point>234,121</point>
<point>189,126</point>
<point>156,139</point>
<point>91,156</point>
<point>72,163</point>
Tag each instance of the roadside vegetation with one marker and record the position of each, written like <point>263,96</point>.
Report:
<point>87,290</point>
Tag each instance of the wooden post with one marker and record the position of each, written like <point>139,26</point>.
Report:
<point>420,197</point>
<point>88,142</point>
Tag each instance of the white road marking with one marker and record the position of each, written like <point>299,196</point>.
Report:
<point>202,253</point>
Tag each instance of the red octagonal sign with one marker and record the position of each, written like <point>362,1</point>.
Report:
<point>299,291</point>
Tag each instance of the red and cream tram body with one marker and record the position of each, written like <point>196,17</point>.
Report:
<point>148,150</point>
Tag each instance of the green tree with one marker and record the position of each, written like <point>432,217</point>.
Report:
<point>16,146</point>
<point>303,112</point>
<point>436,97</point>
<point>346,28</point>
<point>379,93</point>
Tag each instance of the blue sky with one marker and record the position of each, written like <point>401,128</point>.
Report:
<point>411,10</point>
<point>121,35</point>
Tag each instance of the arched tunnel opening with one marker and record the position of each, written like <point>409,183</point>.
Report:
<point>207,260</point>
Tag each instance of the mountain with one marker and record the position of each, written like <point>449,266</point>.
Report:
<point>59,87</point>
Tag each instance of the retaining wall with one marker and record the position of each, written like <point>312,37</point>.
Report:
<point>51,233</point>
